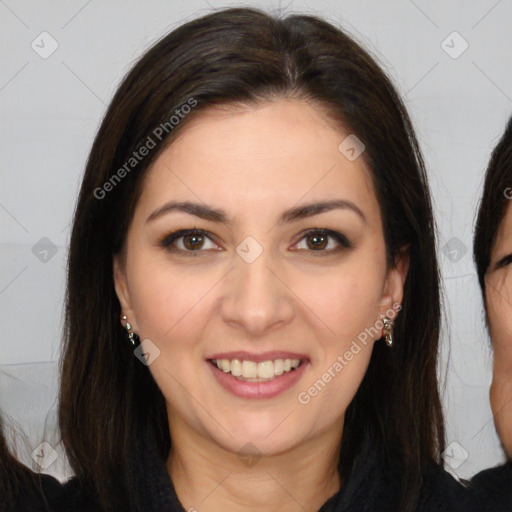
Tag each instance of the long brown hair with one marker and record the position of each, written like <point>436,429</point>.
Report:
<point>244,56</point>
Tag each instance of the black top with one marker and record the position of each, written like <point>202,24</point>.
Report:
<point>372,486</point>
<point>22,490</point>
<point>493,487</point>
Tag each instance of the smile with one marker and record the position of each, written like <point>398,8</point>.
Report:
<point>257,380</point>
<point>251,371</point>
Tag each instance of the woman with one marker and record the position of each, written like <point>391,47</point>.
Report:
<point>253,216</point>
<point>493,259</point>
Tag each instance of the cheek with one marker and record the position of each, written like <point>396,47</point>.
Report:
<point>172,301</point>
<point>500,323</point>
<point>347,302</point>
<point>347,299</point>
<point>501,403</point>
<point>166,300</point>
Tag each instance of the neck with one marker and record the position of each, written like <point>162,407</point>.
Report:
<point>209,478</point>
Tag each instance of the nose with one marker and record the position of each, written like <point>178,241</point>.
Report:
<point>256,297</point>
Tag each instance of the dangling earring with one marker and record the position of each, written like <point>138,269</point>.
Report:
<point>135,340</point>
<point>387,332</point>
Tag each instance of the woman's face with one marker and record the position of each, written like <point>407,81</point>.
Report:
<point>254,286</point>
<point>498,287</point>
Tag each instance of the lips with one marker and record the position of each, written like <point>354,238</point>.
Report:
<point>258,388</point>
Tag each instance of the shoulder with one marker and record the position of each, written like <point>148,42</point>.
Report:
<point>27,491</point>
<point>494,488</point>
<point>79,496</point>
<point>441,492</point>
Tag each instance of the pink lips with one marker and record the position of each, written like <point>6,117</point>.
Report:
<point>259,390</point>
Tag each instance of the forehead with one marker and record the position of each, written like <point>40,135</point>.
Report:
<point>270,156</point>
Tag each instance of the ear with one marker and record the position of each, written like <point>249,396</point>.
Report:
<point>122,290</point>
<point>393,291</point>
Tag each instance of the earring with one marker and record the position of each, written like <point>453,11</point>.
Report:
<point>387,332</point>
<point>132,337</point>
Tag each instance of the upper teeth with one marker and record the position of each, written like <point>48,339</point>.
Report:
<point>253,370</point>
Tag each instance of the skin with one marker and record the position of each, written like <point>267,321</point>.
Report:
<point>499,310</point>
<point>254,163</point>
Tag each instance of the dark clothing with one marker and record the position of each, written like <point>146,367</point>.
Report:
<point>493,488</point>
<point>23,490</point>
<point>372,486</point>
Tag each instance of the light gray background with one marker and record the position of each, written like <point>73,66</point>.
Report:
<point>51,109</point>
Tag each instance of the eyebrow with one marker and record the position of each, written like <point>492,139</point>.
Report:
<point>292,215</point>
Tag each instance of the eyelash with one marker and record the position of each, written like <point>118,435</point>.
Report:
<point>504,261</point>
<point>168,240</point>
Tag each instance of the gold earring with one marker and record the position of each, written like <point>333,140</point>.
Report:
<point>132,337</point>
<point>387,332</point>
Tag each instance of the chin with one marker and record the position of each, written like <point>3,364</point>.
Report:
<point>259,440</point>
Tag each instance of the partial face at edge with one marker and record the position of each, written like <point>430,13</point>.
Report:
<point>308,293</point>
<point>498,284</point>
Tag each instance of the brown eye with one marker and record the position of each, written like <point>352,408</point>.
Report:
<point>192,242</point>
<point>318,240</point>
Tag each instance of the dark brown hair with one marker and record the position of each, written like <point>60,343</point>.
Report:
<point>498,180</point>
<point>9,473</point>
<point>244,56</point>
<point>17,482</point>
